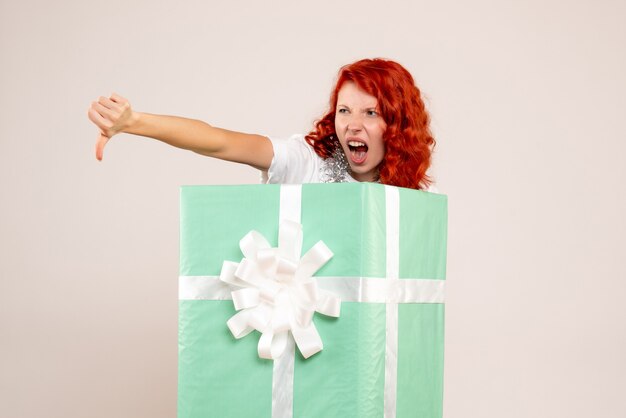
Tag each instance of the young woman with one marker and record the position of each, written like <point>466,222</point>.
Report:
<point>377,129</point>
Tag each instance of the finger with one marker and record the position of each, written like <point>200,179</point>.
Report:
<point>98,119</point>
<point>118,99</point>
<point>108,103</point>
<point>104,111</point>
<point>102,141</point>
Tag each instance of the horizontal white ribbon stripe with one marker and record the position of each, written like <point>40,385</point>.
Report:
<point>349,289</point>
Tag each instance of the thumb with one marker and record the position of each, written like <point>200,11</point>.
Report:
<point>102,140</point>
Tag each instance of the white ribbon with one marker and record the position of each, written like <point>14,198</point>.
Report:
<point>348,289</point>
<point>276,292</point>
<point>392,209</point>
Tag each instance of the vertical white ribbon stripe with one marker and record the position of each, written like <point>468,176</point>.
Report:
<point>283,373</point>
<point>282,382</point>
<point>392,215</point>
<point>290,202</point>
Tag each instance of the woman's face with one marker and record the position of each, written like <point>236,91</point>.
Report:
<point>360,129</point>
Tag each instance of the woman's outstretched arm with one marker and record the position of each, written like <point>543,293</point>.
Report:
<point>114,115</point>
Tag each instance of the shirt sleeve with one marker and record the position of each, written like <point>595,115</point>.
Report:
<point>294,162</point>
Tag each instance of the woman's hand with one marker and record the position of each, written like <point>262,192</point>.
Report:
<point>112,116</point>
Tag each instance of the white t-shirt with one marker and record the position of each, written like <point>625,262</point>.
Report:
<point>295,162</point>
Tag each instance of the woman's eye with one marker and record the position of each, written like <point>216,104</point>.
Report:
<point>372,113</point>
<point>342,110</point>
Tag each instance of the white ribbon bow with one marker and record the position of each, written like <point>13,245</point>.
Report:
<point>278,292</point>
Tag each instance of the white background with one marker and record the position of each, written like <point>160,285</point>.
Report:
<point>527,101</point>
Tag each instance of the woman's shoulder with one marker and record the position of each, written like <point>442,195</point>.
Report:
<point>294,161</point>
<point>294,147</point>
<point>295,140</point>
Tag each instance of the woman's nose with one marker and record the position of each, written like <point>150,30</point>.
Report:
<point>355,124</point>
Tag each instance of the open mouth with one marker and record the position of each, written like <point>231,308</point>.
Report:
<point>358,151</point>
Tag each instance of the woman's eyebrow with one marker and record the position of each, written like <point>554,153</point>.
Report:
<point>374,106</point>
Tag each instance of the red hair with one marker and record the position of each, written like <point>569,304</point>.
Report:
<point>408,140</point>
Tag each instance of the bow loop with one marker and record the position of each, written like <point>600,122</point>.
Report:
<point>314,259</point>
<point>266,259</point>
<point>285,269</point>
<point>247,297</point>
<point>251,243</point>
